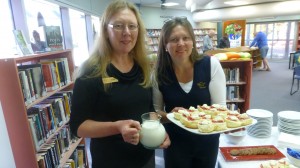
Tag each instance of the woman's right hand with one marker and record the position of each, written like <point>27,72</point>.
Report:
<point>129,130</point>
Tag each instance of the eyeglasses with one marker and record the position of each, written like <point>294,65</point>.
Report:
<point>121,27</point>
<point>178,18</point>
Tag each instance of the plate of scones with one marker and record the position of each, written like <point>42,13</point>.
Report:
<point>206,120</point>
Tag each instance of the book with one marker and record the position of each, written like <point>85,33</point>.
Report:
<point>33,134</point>
<point>37,78</point>
<point>25,87</point>
<point>52,36</point>
<point>23,46</point>
<point>66,67</point>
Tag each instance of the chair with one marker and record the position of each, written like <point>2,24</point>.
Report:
<point>296,72</point>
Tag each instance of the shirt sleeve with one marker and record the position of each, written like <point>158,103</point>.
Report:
<point>217,85</point>
<point>82,103</point>
<point>254,42</point>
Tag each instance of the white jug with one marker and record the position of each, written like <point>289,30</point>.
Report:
<point>153,133</point>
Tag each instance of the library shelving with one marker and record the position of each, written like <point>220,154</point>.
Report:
<point>243,83</point>
<point>152,40</point>
<point>15,109</point>
<point>200,34</point>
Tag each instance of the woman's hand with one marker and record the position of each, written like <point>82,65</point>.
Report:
<point>166,143</point>
<point>129,130</point>
<point>178,108</point>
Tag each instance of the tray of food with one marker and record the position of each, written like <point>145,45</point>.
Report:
<point>206,120</point>
<point>246,153</point>
<point>210,126</point>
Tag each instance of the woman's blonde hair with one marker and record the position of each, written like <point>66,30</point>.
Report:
<point>96,64</point>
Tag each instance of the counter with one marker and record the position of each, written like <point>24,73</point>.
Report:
<point>254,51</point>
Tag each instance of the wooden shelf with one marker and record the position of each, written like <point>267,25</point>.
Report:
<point>245,69</point>
<point>67,154</point>
<point>14,109</point>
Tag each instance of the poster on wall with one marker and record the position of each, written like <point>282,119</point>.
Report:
<point>235,30</point>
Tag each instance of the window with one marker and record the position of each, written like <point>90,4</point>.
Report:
<point>7,48</point>
<point>41,13</point>
<point>280,37</point>
<point>79,36</point>
<point>96,26</point>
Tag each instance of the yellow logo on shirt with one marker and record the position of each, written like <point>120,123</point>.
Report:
<point>201,85</point>
<point>109,80</point>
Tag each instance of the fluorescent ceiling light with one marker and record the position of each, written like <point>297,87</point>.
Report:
<point>236,2</point>
<point>170,4</point>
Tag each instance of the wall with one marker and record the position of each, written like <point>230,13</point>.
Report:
<point>6,156</point>
<point>154,17</point>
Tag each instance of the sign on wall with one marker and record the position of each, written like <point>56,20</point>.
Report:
<point>235,30</point>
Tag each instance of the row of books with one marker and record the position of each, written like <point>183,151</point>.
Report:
<point>156,32</point>
<point>232,106</point>
<point>48,116</point>
<point>201,32</point>
<point>153,48</point>
<point>78,158</point>
<point>45,76</point>
<point>153,33</point>
<point>51,154</point>
<point>233,92</point>
<point>232,75</point>
<point>152,40</point>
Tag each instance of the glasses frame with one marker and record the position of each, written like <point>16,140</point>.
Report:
<point>123,26</point>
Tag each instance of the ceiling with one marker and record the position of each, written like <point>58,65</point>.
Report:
<point>198,5</point>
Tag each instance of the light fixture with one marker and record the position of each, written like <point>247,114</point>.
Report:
<point>170,4</point>
<point>236,2</point>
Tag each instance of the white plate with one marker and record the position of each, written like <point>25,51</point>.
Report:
<point>259,113</point>
<point>170,116</point>
<point>290,115</point>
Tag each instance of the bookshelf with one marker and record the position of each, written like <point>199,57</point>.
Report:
<point>15,109</point>
<point>199,35</point>
<point>152,39</point>
<point>243,84</point>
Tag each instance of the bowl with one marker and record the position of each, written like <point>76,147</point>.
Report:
<point>235,137</point>
<point>294,161</point>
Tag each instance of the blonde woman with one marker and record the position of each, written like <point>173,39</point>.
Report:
<point>112,91</point>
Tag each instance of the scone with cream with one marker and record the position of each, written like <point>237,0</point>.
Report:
<point>206,126</point>
<point>232,122</point>
<point>219,123</point>
<point>245,119</point>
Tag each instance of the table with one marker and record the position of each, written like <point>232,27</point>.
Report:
<point>249,141</point>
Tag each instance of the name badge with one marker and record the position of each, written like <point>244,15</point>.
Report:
<point>109,80</point>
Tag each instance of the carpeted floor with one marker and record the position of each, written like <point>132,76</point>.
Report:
<point>270,90</point>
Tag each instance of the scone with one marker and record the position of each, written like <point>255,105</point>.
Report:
<point>192,121</point>
<point>219,123</point>
<point>203,108</point>
<point>232,122</point>
<point>178,114</point>
<point>205,126</point>
<point>212,111</point>
<point>245,119</point>
<point>233,113</point>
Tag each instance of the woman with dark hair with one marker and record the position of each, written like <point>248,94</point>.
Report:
<point>184,78</point>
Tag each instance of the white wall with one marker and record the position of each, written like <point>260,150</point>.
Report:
<point>6,156</point>
<point>154,17</point>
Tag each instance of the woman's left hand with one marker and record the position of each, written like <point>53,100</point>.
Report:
<point>166,143</point>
